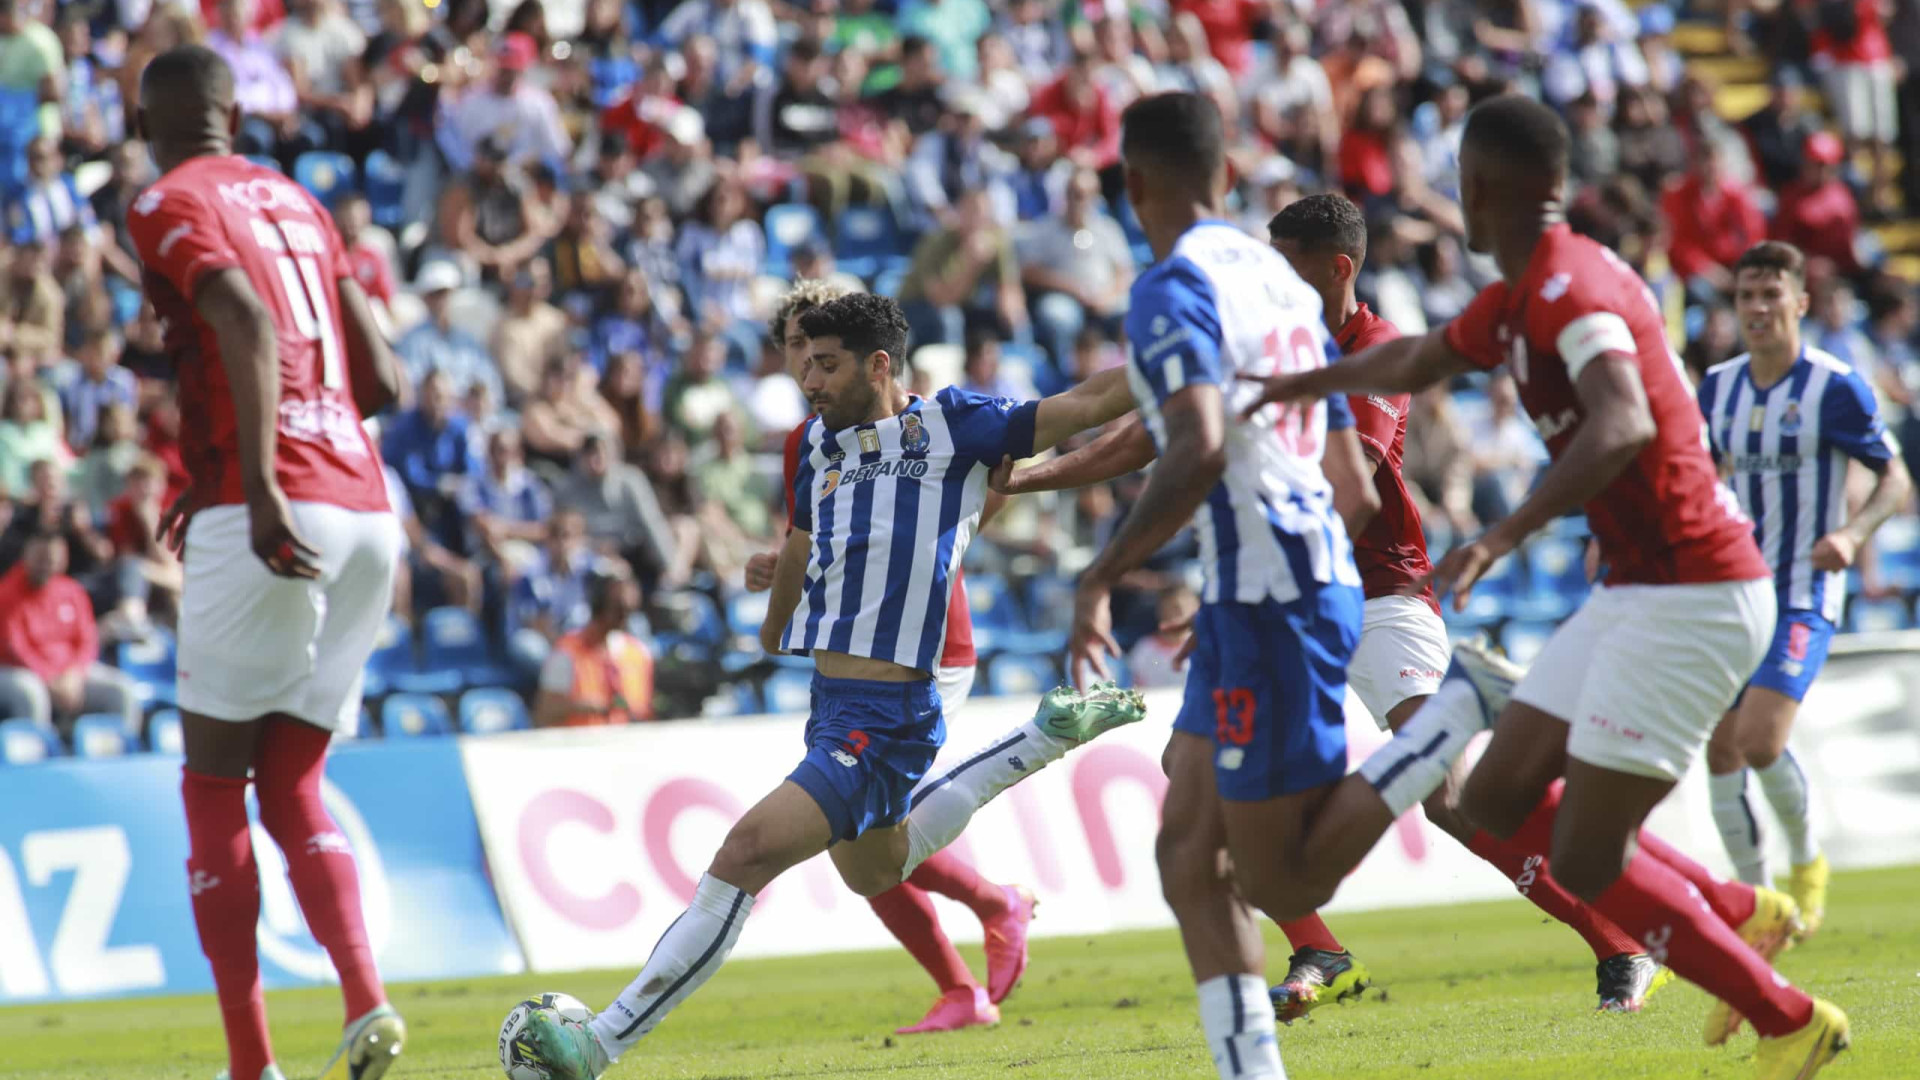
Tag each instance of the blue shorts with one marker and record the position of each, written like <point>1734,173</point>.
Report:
<point>1268,686</point>
<point>868,745</point>
<point>1798,652</point>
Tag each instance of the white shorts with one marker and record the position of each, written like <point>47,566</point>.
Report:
<point>253,643</point>
<point>1864,101</point>
<point>955,685</point>
<point>1403,653</point>
<point>1642,673</point>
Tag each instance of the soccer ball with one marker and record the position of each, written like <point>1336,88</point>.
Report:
<point>514,1058</point>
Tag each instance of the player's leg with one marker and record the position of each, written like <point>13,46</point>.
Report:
<point>1735,802</point>
<point>1766,721</point>
<point>1222,941</point>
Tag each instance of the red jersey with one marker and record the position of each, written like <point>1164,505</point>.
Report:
<point>1391,551</point>
<point>1666,519</point>
<point>1870,43</point>
<point>212,213</point>
<point>370,269</point>
<point>959,648</point>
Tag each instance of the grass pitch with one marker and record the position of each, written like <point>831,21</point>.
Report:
<point>1473,991</point>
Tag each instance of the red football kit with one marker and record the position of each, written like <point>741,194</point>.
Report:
<point>211,213</point>
<point>1391,551</point>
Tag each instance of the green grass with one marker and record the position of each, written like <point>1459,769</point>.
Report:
<point>1478,991</point>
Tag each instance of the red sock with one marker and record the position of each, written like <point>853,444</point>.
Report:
<point>1528,873</point>
<point>907,913</point>
<point>1660,905</point>
<point>1310,933</point>
<point>226,908</point>
<point>948,875</point>
<point>1731,900</point>
<point>287,770</point>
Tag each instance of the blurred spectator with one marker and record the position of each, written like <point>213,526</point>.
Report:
<point>1366,149</point>
<point>1717,341</point>
<point>93,118</point>
<point>564,413</point>
<point>622,514</point>
<point>1779,130</point>
<point>1154,662</point>
<point>1291,102</point>
<point>858,28</point>
<point>321,48</point>
<point>437,345</point>
<point>432,449</point>
<point>1118,67</point>
<point>1834,325</point>
<point>132,171</point>
<point>1038,41</point>
<point>599,674</point>
<point>1229,25</point>
<point>531,332</point>
<point>28,433</point>
<point>49,647</point>
<point>613,186</point>
<point>953,27</point>
<point>1594,154</point>
<point>980,372</point>
<point>1650,147</point>
<point>1592,61</point>
<point>1039,176</point>
<point>429,574</point>
<point>1817,213</point>
<point>681,172</point>
<point>698,394</point>
<point>1004,91</point>
<point>1438,463</point>
<point>491,217</point>
<point>722,96</point>
<point>955,158</point>
<point>42,504</point>
<point>720,251</point>
<point>1191,68</point>
<point>1387,283</point>
<point>635,326</point>
<point>742,31</point>
<point>1665,66</point>
<point>916,99</point>
<point>32,61</point>
<point>1085,119</point>
<point>736,498</point>
<point>366,258</point>
<point>1850,44</point>
<point>100,384</point>
<point>1698,122</point>
<point>963,275</point>
<point>1077,268</point>
<point>1444,290</point>
<point>549,598</point>
<point>49,202</point>
<point>152,568</point>
<point>586,265</point>
<point>518,116</point>
<point>1506,453</point>
<point>262,88</point>
<point>506,506</point>
<point>1712,219</point>
<point>101,474</point>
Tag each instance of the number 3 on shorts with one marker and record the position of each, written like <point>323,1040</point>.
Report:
<point>1233,716</point>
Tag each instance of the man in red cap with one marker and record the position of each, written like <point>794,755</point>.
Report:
<point>517,114</point>
<point>1817,212</point>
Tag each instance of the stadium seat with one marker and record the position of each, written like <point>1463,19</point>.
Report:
<point>385,182</point>
<point>745,612</point>
<point>1050,602</point>
<point>1522,639</point>
<point>1867,615</point>
<point>788,226</point>
<point>23,742</point>
<point>101,735</point>
<point>867,241</point>
<point>703,624</point>
<point>408,715</point>
<point>150,664</point>
<point>489,711</point>
<point>392,657</point>
<point>453,655</point>
<point>746,700</point>
<point>326,174</point>
<point>789,690</point>
<point>992,604</point>
<point>164,735</point>
<point>1021,673</point>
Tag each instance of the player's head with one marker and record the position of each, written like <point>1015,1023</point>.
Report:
<point>351,215</point>
<point>186,105</point>
<point>612,594</point>
<point>1175,151</point>
<point>1770,296</point>
<point>1513,166</point>
<point>46,556</point>
<point>436,397</point>
<point>784,326</point>
<point>1325,238</point>
<point>856,346</point>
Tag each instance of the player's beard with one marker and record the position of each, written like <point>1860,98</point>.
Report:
<point>854,407</point>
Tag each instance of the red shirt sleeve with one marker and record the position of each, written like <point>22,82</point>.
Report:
<point>180,238</point>
<point>790,466</point>
<point>1472,334</point>
<point>1375,425</point>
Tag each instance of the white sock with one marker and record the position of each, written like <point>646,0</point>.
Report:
<point>1786,789</point>
<point>946,802</point>
<point>1416,761</point>
<point>688,954</point>
<point>1740,826</point>
<point>1238,1019</point>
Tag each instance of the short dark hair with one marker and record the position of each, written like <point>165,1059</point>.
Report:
<point>1774,257</point>
<point>191,77</point>
<point>865,323</point>
<point>1320,224</point>
<point>1521,134</point>
<point>1175,134</point>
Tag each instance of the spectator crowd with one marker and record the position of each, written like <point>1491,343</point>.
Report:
<point>576,216</point>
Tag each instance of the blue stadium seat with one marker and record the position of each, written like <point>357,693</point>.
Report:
<point>150,664</point>
<point>867,240</point>
<point>788,226</point>
<point>408,715</point>
<point>992,603</point>
<point>1050,600</point>
<point>102,735</point>
<point>1866,615</point>
<point>385,181</point>
<point>1522,639</point>
<point>488,711</point>
<point>1020,673</point>
<point>164,735</point>
<point>453,655</point>
<point>1557,565</point>
<point>23,742</point>
<point>746,700</point>
<point>789,690</point>
<point>392,657</point>
<point>745,612</point>
<point>327,174</point>
<point>705,624</point>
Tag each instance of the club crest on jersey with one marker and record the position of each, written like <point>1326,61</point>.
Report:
<point>913,435</point>
<point>833,481</point>
<point>1790,419</point>
<point>869,441</point>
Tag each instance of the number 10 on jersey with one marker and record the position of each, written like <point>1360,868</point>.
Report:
<point>1291,354</point>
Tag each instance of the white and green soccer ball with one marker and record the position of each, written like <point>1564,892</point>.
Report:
<point>516,1057</point>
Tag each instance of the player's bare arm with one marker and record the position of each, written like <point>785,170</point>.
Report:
<point>371,365</point>
<point>1838,549</point>
<point>789,575</point>
<point>1194,461</point>
<point>1401,366</point>
<point>1349,468</point>
<point>1124,448</point>
<point>241,324</point>
<point>1618,424</point>
<point>1099,400</point>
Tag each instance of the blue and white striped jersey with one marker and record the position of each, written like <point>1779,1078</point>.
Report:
<point>892,506</point>
<point>1786,448</point>
<point>1219,305</point>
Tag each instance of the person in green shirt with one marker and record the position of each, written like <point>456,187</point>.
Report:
<point>32,61</point>
<point>964,274</point>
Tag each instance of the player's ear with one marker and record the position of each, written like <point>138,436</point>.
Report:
<point>1803,299</point>
<point>1344,268</point>
<point>879,364</point>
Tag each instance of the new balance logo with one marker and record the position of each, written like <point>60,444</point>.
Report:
<point>201,881</point>
<point>328,843</point>
<point>845,758</point>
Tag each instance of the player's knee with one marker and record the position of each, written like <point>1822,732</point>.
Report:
<point>1725,756</point>
<point>1760,745</point>
<point>748,855</point>
<point>869,882</point>
<point>1189,870</point>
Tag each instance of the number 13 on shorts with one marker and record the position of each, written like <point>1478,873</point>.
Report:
<point>1233,716</point>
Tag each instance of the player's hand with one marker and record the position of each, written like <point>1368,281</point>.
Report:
<point>1835,551</point>
<point>1283,390</point>
<point>1461,568</point>
<point>1092,641</point>
<point>1185,627</point>
<point>172,529</point>
<point>1001,478</point>
<point>760,571</point>
<point>277,542</point>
